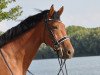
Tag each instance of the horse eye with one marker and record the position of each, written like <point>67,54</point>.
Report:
<point>54,27</point>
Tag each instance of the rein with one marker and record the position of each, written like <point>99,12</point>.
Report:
<point>6,62</point>
<point>62,62</point>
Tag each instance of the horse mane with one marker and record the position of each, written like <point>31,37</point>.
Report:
<point>24,26</point>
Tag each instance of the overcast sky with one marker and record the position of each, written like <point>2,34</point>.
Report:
<point>84,13</point>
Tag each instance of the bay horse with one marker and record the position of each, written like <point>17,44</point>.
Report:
<point>19,45</point>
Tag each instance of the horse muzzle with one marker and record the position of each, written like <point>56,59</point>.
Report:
<point>65,54</point>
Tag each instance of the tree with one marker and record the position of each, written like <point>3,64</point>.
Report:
<point>1,32</point>
<point>10,14</point>
<point>86,41</point>
<point>45,52</point>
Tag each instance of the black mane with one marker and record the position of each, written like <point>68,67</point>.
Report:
<point>24,26</point>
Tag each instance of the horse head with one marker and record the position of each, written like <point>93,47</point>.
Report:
<point>55,34</point>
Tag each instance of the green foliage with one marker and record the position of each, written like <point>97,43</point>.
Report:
<point>1,32</point>
<point>73,30</point>
<point>86,41</point>
<point>45,52</point>
<point>12,13</point>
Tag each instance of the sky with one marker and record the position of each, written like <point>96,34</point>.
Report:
<point>84,13</point>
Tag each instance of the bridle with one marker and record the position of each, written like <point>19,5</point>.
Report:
<point>56,44</point>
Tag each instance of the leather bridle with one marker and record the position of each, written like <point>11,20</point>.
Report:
<point>56,43</point>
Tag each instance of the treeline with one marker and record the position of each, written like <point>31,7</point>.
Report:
<point>86,42</point>
<point>1,32</point>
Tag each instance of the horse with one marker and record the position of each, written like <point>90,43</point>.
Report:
<point>19,45</point>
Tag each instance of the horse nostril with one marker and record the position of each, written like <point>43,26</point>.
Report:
<point>68,52</point>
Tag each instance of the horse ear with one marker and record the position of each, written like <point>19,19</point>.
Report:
<point>51,11</point>
<point>60,10</point>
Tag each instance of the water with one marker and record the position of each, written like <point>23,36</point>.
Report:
<point>75,66</point>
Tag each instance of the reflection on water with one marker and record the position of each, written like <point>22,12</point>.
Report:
<point>75,66</point>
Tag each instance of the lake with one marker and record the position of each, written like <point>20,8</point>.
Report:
<point>75,66</point>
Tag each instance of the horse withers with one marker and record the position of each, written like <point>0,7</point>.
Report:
<point>19,45</point>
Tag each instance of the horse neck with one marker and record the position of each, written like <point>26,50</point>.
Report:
<point>23,49</point>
